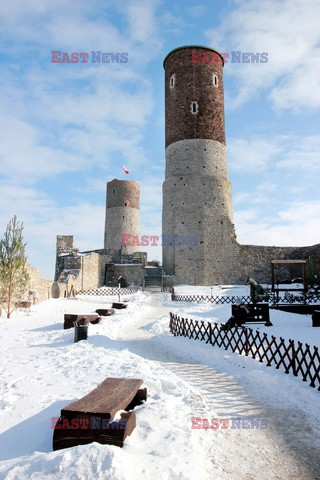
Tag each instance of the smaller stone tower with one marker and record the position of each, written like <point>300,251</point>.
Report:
<point>122,214</point>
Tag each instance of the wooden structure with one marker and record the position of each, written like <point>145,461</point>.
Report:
<point>69,318</point>
<point>258,313</point>
<point>23,305</point>
<point>105,312</point>
<point>316,318</point>
<point>90,419</point>
<point>119,305</point>
<point>293,357</point>
<point>303,264</point>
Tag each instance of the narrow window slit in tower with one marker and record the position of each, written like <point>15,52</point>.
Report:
<point>194,107</point>
<point>172,80</point>
<point>215,80</point>
<point>113,191</point>
<point>125,204</point>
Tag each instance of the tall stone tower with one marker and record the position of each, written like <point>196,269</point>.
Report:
<point>196,192</point>
<point>122,214</point>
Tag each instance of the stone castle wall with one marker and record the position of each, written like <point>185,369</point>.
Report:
<point>41,285</point>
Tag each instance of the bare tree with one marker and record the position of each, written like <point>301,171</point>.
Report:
<point>13,265</point>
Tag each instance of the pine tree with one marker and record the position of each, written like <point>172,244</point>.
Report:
<point>13,265</point>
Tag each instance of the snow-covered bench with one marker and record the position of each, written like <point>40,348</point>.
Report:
<point>90,419</point>
<point>119,305</point>
<point>105,312</point>
<point>23,305</point>
<point>69,318</point>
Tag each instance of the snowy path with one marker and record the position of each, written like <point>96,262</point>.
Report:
<point>288,449</point>
<point>39,373</point>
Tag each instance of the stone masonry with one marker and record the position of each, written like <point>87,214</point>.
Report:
<point>122,214</point>
<point>197,197</point>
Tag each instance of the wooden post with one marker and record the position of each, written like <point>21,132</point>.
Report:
<point>293,361</point>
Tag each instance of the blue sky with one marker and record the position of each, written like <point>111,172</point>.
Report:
<point>66,129</point>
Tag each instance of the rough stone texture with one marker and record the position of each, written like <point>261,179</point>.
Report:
<point>133,274</point>
<point>255,261</point>
<point>77,271</point>
<point>193,83</point>
<point>119,221</point>
<point>82,271</point>
<point>65,244</point>
<point>122,214</point>
<point>196,192</point>
<point>41,285</point>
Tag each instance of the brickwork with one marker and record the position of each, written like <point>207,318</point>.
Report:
<point>193,83</point>
<point>196,192</point>
<point>122,193</point>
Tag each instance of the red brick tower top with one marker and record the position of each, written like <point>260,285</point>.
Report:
<point>194,104</point>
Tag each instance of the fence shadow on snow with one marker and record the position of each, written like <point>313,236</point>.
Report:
<point>301,361</point>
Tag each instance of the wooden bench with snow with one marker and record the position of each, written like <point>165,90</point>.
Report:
<point>70,318</point>
<point>105,312</point>
<point>23,305</point>
<point>119,305</point>
<point>258,313</point>
<point>91,419</point>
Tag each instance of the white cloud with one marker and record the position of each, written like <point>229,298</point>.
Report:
<point>250,155</point>
<point>289,31</point>
<point>303,157</point>
<point>294,225</point>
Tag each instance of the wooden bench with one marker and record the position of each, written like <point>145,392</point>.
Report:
<point>258,313</point>
<point>105,312</point>
<point>90,419</point>
<point>119,305</point>
<point>315,318</point>
<point>23,305</point>
<point>69,318</point>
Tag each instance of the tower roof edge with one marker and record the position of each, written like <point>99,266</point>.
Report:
<point>203,47</point>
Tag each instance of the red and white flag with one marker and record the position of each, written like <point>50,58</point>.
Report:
<point>125,169</point>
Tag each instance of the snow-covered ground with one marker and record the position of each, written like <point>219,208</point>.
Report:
<point>42,370</point>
